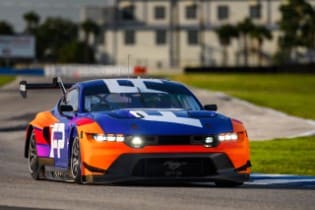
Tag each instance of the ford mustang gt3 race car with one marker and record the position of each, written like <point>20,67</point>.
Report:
<point>119,130</point>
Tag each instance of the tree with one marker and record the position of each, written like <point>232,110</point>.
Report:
<point>72,53</point>
<point>6,28</point>
<point>53,34</point>
<point>32,20</point>
<point>90,28</point>
<point>245,28</point>
<point>225,33</point>
<point>260,33</point>
<point>298,26</point>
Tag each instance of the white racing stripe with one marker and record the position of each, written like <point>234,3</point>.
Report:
<point>114,87</point>
<point>167,116</point>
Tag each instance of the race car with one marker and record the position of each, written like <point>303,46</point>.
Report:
<point>122,130</point>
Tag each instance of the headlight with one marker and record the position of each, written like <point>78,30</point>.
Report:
<point>100,137</point>
<point>209,140</point>
<point>137,142</point>
<point>109,137</point>
<point>228,137</point>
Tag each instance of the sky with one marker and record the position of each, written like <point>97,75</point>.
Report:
<point>12,10</point>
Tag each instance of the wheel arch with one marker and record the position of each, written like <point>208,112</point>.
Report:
<point>73,133</point>
<point>29,130</point>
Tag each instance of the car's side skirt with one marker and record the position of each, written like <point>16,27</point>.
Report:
<point>49,171</point>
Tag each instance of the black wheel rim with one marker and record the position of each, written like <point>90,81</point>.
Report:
<point>32,155</point>
<point>75,158</point>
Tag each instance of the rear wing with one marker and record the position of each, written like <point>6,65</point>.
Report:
<point>57,83</point>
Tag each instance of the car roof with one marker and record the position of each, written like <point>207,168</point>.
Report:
<point>125,84</point>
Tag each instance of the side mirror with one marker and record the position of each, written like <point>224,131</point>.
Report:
<point>211,107</point>
<point>66,108</point>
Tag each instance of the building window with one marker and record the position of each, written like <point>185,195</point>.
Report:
<point>191,11</point>
<point>159,12</point>
<point>192,36</point>
<point>130,37</point>
<point>160,37</point>
<point>128,13</point>
<point>255,11</point>
<point>223,12</point>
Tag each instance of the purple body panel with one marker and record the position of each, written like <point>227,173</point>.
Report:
<point>43,150</point>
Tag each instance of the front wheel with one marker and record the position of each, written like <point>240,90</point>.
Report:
<point>75,161</point>
<point>33,164</point>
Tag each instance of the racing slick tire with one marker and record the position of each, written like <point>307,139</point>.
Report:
<point>33,163</point>
<point>75,161</point>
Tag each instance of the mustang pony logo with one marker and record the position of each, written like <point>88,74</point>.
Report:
<point>173,165</point>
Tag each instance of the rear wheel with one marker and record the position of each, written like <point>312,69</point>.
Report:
<point>75,161</point>
<point>33,165</point>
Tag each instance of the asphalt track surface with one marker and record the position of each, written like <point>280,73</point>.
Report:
<point>20,192</point>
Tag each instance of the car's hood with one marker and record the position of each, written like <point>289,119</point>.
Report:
<point>162,122</point>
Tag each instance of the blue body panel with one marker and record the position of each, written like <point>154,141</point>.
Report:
<point>156,123</point>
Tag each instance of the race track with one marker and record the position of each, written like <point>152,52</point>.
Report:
<point>19,191</point>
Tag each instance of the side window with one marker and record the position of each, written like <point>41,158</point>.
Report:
<point>72,99</point>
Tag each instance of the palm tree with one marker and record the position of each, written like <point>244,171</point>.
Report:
<point>260,33</point>
<point>245,28</point>
<point>89,27</point>
<point>225,33</point>
<point>32,20</point>
<point>6,28</point>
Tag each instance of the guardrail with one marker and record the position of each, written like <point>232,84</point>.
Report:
<point>24,71</point>
<point>76,71</point>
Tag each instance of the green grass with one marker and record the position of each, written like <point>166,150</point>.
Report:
<point>290,93</point>
<point>5,79</point>
<point>287,156</point>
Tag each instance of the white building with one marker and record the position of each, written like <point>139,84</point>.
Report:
<point>178,33</point>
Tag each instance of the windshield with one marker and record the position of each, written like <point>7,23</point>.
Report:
<point>111,101</point>
<point>110,94</point>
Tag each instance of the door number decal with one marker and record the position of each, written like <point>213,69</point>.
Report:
<point>57,139</point>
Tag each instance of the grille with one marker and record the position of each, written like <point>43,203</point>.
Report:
<point>170,167</point>
<point>177,140</point>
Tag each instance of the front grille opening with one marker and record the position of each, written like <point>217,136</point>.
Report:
<point>178,167</point>
<point>177,140</point>
<point>173,140</point>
